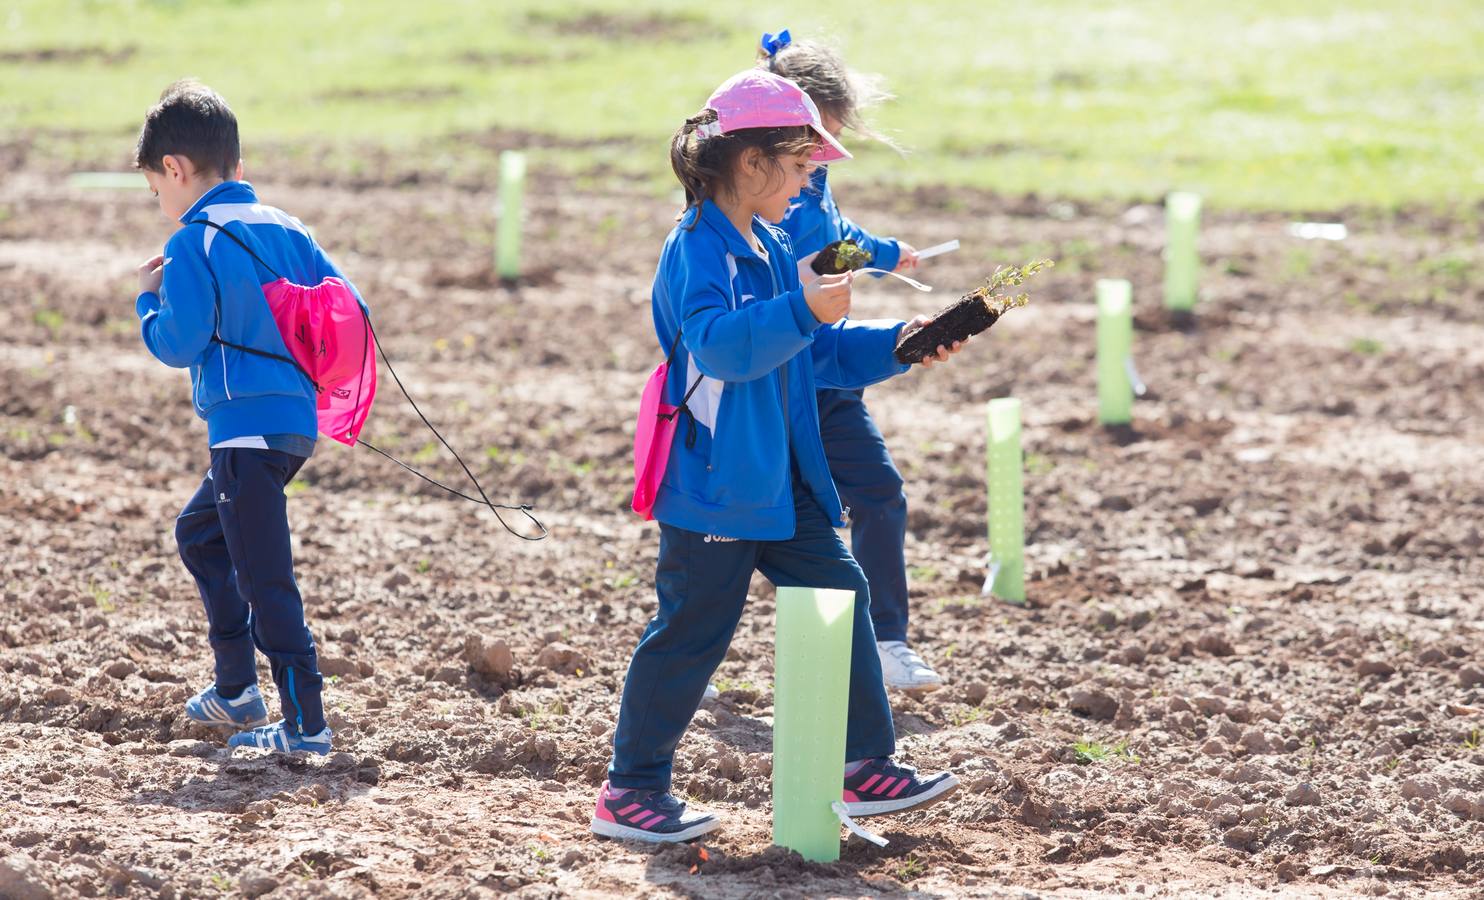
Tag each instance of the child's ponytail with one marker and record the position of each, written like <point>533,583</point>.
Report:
<point>686,159</point>
<point>703,159</point>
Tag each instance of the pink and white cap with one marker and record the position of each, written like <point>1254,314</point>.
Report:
<point>755,98</point>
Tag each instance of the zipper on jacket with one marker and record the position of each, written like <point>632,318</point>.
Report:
<point>788,441</point>
<point>225,388</point>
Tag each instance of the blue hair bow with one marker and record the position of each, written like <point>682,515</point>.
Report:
<point>772,43</point>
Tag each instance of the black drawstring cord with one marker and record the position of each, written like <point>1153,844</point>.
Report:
<point>482,500</point>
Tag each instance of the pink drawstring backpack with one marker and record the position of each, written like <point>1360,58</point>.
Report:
<point>329,336</point>
<point>654,432</point>
<point>327,333</point>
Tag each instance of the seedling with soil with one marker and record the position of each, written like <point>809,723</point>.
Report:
<point>848,256</point>
<point>839,258</point>
<point>973,313</point>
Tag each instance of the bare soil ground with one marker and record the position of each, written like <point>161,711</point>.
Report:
<point>1258,608</point>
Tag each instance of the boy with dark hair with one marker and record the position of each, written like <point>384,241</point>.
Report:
<point>201,305</point>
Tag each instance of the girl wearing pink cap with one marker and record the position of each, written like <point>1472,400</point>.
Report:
<point>746,486</point>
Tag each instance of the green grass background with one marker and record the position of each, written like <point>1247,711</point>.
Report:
<point>1259,104</point>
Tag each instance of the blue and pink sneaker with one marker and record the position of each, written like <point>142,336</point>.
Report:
<point>655,816</point>
<point>875,787</point>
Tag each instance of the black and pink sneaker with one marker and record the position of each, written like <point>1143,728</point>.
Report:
<point>635,815</point>
<point>875,787</point>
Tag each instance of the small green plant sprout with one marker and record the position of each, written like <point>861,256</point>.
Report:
<point>51,320</point>
<point>973,313</point>
<point>724,685</point>
<point>840,257</point>
<point>965,715</point>
<point>912,868</point>
<point>968,601</point>
<point>1366,346</point>
<point>923,573</point>
<point>1474,739</point>
<point>1088,752</point>
<point>1038,464</point>
<point>623,580</point>
<point>102,597</point>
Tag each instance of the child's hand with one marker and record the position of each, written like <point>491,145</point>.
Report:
<point>806,271</point>
<point>151,274</point>
<point>908,260</point>
<point>828,297</point>
<point>943,352</point>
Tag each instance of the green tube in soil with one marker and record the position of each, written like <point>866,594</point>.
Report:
<point>810,697</point>
<point>1182,263</point>
<point>512,198</point>
<point>1115,345</point>
<point>1006,502</point>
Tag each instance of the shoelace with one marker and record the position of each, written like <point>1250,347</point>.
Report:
<point>897,771</point>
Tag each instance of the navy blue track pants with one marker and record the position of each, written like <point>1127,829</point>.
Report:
<point>233,536</point>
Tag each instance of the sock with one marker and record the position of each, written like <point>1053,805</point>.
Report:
<point>231,691</point>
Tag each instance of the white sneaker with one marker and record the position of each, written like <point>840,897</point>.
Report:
<point>711,693</point>
<point>903,669</point>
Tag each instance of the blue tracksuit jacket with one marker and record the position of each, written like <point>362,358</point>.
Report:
<point>813,221</point>
<point>749,333</point>
<point>238,394</point>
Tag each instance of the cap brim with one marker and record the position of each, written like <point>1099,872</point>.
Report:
<point>829,148</point>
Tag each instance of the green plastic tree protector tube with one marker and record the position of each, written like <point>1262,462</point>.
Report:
<point>1006,502</point>
<point>1182,263</point>
<point>1115,345</point>
<point>512,198</point>
<point>810,697</point>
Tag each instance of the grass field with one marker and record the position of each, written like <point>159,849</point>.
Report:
<point>1261,105</point>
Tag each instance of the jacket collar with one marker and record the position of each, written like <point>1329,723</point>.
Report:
<point>226,192</point>
<point>819,181</point>
<point>736,244</point>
